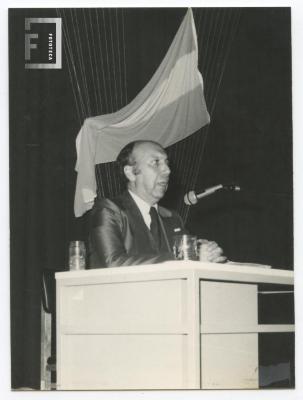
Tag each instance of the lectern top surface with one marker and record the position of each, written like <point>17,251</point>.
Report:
<point>183,270</point>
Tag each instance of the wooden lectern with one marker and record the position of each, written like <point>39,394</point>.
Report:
<point>176,325</point>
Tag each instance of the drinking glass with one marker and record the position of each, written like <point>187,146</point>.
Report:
<point>185,247</point>
<point>77,255</point>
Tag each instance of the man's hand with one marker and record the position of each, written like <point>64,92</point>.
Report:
<point>210,252</point>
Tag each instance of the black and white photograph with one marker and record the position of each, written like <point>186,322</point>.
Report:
<point>151,199</point>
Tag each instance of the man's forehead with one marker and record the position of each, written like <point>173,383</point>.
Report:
<point>149,149</point>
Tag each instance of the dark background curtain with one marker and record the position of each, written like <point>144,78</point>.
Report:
<point>247,76</point>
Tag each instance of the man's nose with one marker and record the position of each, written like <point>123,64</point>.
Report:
<point>165,169</point>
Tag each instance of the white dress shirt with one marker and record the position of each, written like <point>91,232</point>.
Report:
<point>143,207</point>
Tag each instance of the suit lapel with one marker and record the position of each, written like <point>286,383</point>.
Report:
<point>138,227</point>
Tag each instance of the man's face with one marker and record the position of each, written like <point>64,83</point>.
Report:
<point>151,172</point>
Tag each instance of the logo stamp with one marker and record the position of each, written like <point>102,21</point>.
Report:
<point>43,43</point>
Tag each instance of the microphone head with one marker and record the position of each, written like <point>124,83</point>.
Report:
<point>190,198</point>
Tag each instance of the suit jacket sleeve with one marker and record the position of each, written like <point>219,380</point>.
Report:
<point>107,240</point>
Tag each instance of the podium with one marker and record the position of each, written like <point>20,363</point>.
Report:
<point>175,325</point>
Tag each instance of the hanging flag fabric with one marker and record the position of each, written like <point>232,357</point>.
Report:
<point>168,109</point>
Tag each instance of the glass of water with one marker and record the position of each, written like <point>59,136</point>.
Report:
<point>185,247</point>
<point>77,254</point>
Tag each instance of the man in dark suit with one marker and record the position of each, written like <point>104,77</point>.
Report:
<point>132,228</point>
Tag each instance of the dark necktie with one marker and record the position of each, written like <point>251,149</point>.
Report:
<point>155,226</point>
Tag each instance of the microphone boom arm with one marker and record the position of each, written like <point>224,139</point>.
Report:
<point>192,198</point>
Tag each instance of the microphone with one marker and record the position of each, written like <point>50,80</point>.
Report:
<point>192,197</point>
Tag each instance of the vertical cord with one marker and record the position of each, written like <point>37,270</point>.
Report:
<point>99,108</point>
<point>81,63</point>
<point>71,67</point>
<point>107,61</point>
<point>119,59</point>
<point>124,56</point>
<point>104,91</point>
<point>113,60</point>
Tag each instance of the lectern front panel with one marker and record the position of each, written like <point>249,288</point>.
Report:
<point>124,362</point>
<point>125,306</point>
<point>229,361</point>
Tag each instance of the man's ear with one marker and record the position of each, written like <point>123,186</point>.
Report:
<point>129,171</point>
